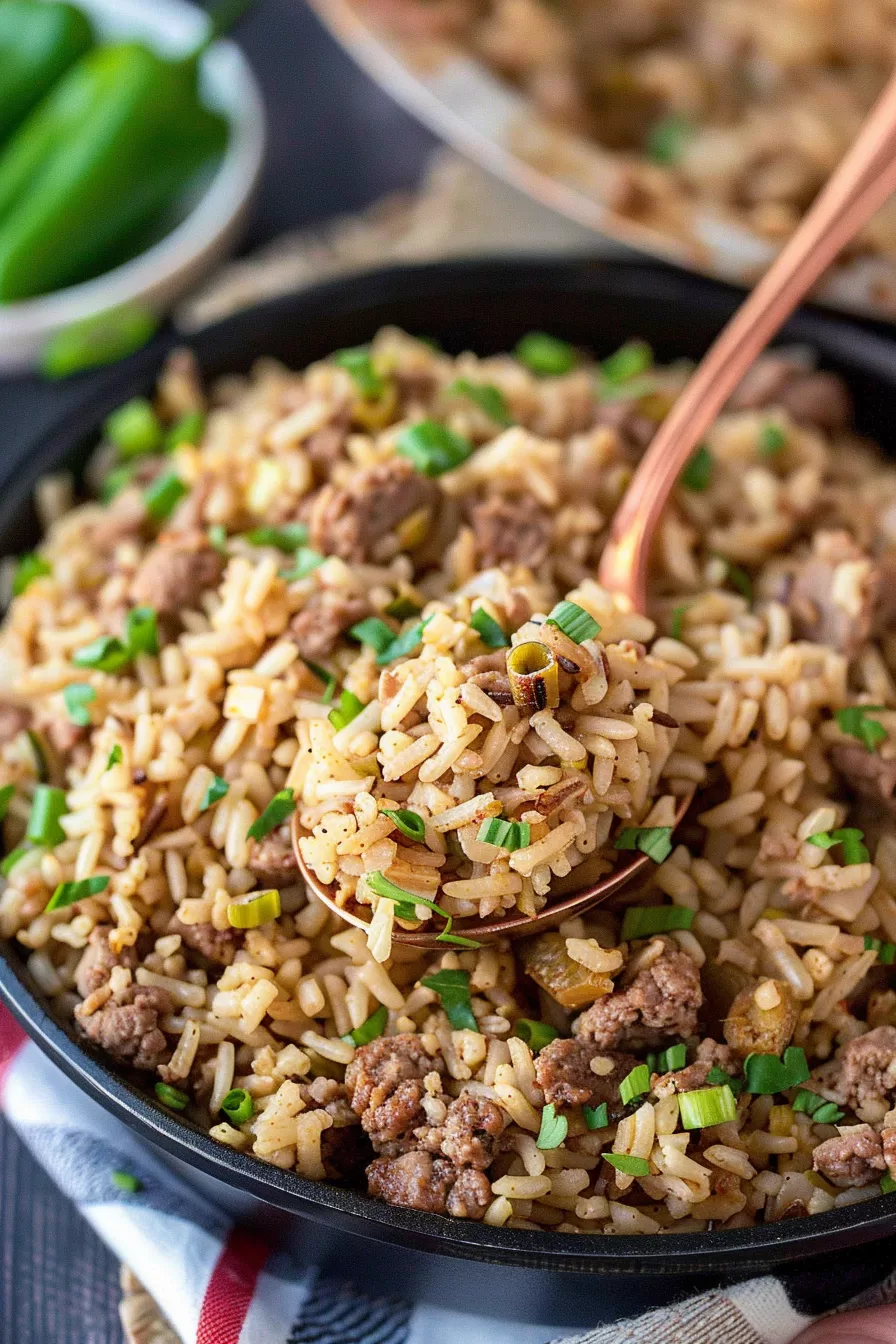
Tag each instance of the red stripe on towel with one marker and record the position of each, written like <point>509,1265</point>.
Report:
<point>12,1038</point>
<point>231,1289</point>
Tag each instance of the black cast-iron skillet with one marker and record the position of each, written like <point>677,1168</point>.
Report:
<point>484,306</point>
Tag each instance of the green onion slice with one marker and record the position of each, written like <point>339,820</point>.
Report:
<point>545,356</point>
<point>767,1074</point>
<point>388,646</point>
<point>104,654</point>
<point>47,806</point>
<point>635,1083</point>
<point>349,708</point>
<point>141,632</point>
<point>371,1028</point>
<point>667,138</point>
<point>719,1078</point>
<point>134,428</point>
<point>488,630</point>
<point>12,859</point>
<point>630,1166</point>
<point>488,398</point>
<point>456,940</point>
<point>630,360</point>
<point>123,1180</point>
<point>432,448</point>
<point>41,765</point>
<point>77,696</point>
<point>6,794</point>
<point>849,837</point>
<point>402,607</point>
<point>67,893</point>
<point>536,1034</point>
<point>102,338</point>
<point>188,429</point>
<point>359,366</point>
<point>163,495</point>
<point>887,1184</point>
<point>675,1057</point>
<point>554,1128</point>
<point>886,952</point>
<point>654,841</point>
<point>116,756</point>
<point>281,806</point>
<point>326,677</point>
<point>306,562</point>
<point>404,645</point>
<point>29,568</point>
<point>676,623</point>
<point>576,623</point>
<point>509,835</point>
<point>215,791</point>
<point>642,921</point>
<point>706,1106</point>
<point>739,579</point>
<point>411,824</point>
<point>254,909</point>
<point>217,538</point>
<point>698,472</point>
<point>771,440</point>
<point>453,989</point>
<point>115,481</point>
<point>856,720</point>
<point>238,1106</point>
<point>596,1117</point>
<point>172,1097</point>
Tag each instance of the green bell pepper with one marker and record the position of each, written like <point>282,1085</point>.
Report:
<point>38,43</point>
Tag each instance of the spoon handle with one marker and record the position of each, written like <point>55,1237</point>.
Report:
<point>863,181</point>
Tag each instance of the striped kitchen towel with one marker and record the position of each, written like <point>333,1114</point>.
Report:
<point>218,1285</point>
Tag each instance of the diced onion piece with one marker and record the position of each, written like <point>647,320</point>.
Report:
<point>534,677</point>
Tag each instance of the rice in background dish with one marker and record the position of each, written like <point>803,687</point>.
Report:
<point>315,593</point>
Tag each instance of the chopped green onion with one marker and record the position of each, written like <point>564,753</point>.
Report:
<point>402,607</point>
<point>238,1106</point>
<point>654,841</point>
<point>12,859</point>
<point>643,921</point>
<point>886,952</point>
<point>114,482</point>
<point>488,630</point>
<point>739,579</point>
<point>326,677</point>
<point>630,1166</point>
<point>254,909</point>
<point>536,1034</point>
<point>456,940</point>
<point>104,654</point>
<point>767,1074</point>
<point>125,1181</point>
<point>822,1112</point>
<point>433,448</point>
<point>489,399</point>
<point>349,708</point>
<point>850,837</point>
<point>545,356</point>
<point>405,644</point>
<point>215,791</point>
<point>676,624</point>
<point>887,1184</point>
<point>698,472</point>
<point>405,901</point>
<point>77,696</point>
<point>666,139</point>
<point>771,440</point>
<point>855,720</point>
<point>287,538</point>
<point>141,632</point>
<point>99,339</point>
<point>306,562</point>
<point>596,1117</point>
<point>633,390</point>
<point>375,633</point>
<point>635,1083</point>
<point>188,429</point>
<point>29,568</point>
<point>6,794</point>
<point>411,824</point>
<point>116,756</point>
<point>554,1128</point>
<point>828,1114</point>
<point>40,755</point>
<point>172,1097</point>
<point>576,623</point>
<point>217,537</point>
<point>370,1028</point>
<point>161,497</point>
<point>509,835</point>
<point>630,360</point>
<point>707,1106</point>
<point>675,1057</point>
<point>720,1078</point>
<point>359,366</point>
<point>281,806</point>
<point>67,893</point>
<point>47,806</point>
<point>134,428</point>
<point>453,989</point>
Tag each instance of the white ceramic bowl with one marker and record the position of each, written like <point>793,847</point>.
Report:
<point>156,277</point>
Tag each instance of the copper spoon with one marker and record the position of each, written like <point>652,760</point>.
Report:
<point>863,181</point>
